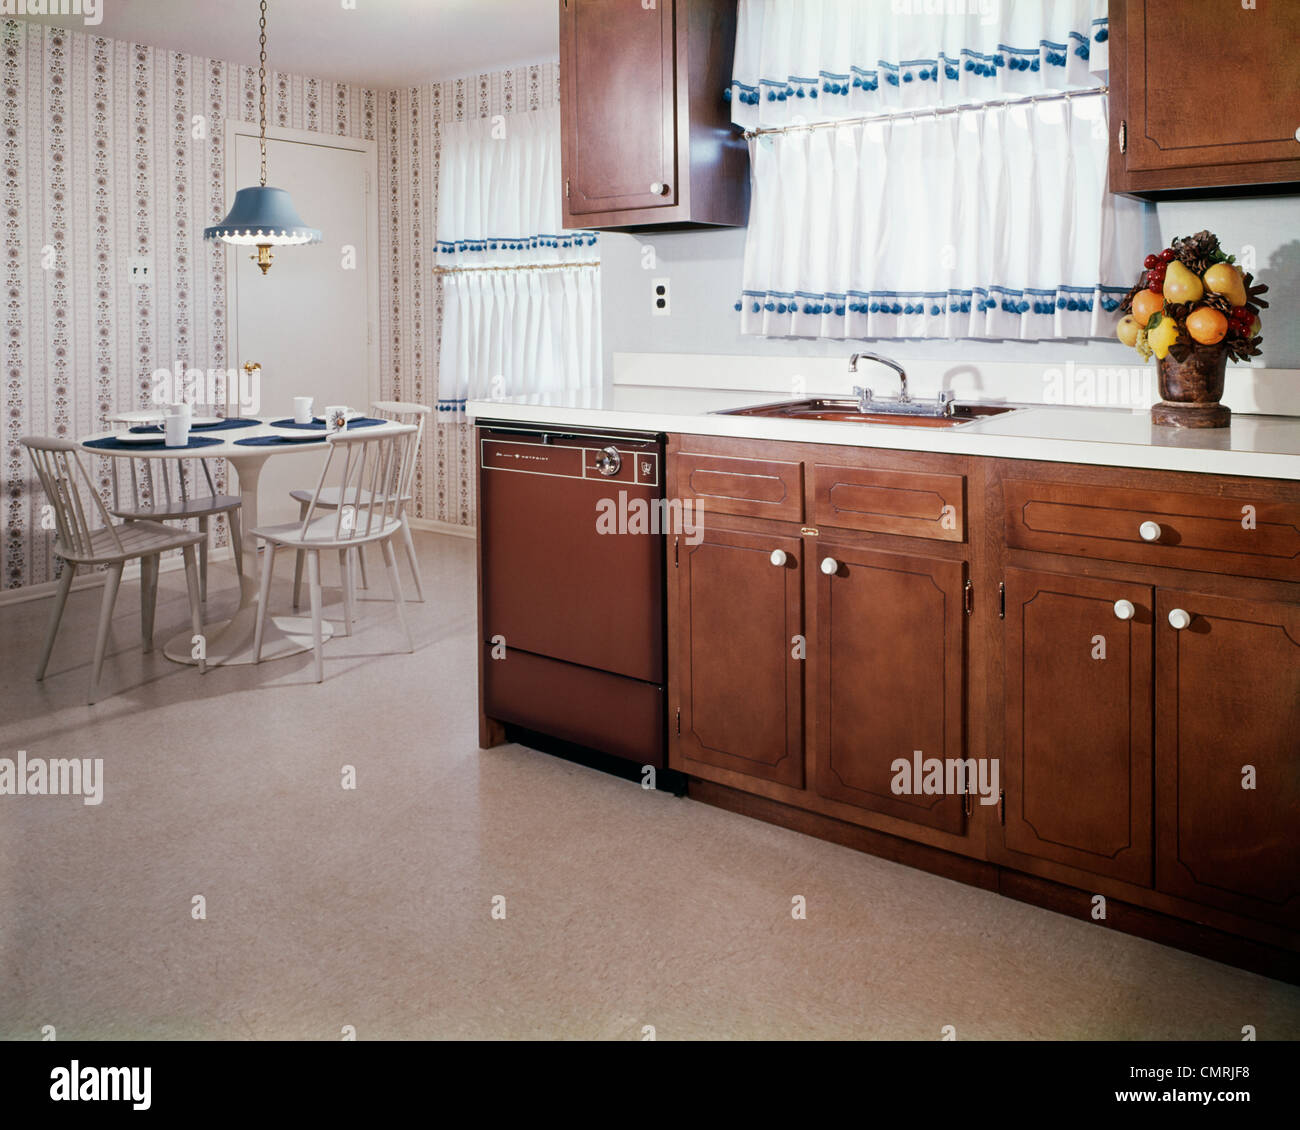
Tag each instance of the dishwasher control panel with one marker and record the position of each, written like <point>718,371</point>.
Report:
<point>595,458</point>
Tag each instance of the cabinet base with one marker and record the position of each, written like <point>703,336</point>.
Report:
<point>1127,918</point>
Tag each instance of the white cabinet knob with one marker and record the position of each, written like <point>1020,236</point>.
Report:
<point>659,188</point>
<point>778,557</point>
<point>830,566</point>
<point>1297,135</point>
<point>1124,609</point>
<point>1150,531</point>
<point>1179,619</point>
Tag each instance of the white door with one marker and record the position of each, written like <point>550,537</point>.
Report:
<point>307,320</point>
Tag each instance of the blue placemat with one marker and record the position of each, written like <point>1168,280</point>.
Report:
<point>230,425</point>
<point>319,425</point>
<point>278,441</point>
<point>112,443</point>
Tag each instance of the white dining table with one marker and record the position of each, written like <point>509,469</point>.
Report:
<point>230,642</point>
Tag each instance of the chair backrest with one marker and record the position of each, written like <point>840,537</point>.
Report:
<point>63,475</point>
<point>174,480</point>
<point>405,412</point>
<point>368,467</point>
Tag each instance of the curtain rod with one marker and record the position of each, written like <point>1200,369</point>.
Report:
<point>934,112</point>
<point>520,267</point>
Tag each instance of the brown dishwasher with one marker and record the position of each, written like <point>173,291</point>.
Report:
<point>574,616</point>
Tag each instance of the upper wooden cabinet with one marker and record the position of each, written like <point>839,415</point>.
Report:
<point>1203,94</point>
<point>647,134</point>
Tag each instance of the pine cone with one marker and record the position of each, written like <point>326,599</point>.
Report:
<point>1198,252</point>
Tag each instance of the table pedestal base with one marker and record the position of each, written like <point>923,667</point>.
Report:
<point>231,641</point>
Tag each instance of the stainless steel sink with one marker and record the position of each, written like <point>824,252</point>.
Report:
<point>848,412</point>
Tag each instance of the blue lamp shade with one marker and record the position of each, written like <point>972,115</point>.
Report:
<point>261,216</point>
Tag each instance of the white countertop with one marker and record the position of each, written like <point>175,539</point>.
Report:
<point>1260,446</point>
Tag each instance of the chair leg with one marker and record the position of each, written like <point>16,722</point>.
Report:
<point>313,583</point>
<point>361,561</point>
<point>395,583</point>
<point>345,567</point>
<point>236,540</point>
<point>56,615</point>
<point>111,582</point>
<point>196,611</point>
<point>203,560</point>
<point>410,558</point>
<point>264,599</point>
<point>297,561</point>
<point>148,597</point>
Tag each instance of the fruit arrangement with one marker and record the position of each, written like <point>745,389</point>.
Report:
<point>1192,294</point>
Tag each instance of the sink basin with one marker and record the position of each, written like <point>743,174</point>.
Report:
<point>846,411</point>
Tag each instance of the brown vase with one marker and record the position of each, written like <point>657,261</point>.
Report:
<point>1190,389</point>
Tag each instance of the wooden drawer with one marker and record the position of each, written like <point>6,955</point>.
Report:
<point>755,488</point>
<point>916,503</point>
<point>1234,535</point>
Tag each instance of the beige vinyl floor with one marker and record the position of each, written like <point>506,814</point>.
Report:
<point>373,907</point>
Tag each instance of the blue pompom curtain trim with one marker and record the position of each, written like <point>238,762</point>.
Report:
<point>977,300</point>
<point>565,241</point>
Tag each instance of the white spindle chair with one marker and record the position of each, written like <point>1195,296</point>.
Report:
<point>167,496</point>
<point>362,478</point>
<point>79,543</point>
<point>401,412</point>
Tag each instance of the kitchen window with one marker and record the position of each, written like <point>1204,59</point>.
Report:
<point>930,169</point>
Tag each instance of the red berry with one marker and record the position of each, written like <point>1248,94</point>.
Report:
<point>1155,287</point>
<point>1168,255</point>
<point>1150,261</point>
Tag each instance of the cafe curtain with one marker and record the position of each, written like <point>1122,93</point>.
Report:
<point>521,296</point>
<point>922,205</point>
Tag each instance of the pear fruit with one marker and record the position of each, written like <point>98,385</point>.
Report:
<point>1225,279</point>
<point>1182,285</point>
<point>1163,336</point>
<point>1128,329</point>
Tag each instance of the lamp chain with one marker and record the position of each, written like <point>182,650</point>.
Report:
<point>262,94</point>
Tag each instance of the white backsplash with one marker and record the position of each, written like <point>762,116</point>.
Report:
<point>1248,388</point>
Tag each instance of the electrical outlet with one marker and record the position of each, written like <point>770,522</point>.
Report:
<point>661,301</point>
<point>141,270</point>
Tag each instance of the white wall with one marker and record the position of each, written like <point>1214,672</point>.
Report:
<point>704,269</point>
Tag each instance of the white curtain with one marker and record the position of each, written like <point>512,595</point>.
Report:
<point>990,221</point>
<point>512,332</point>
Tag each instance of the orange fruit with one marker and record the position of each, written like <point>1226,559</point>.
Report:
<point>1206,325</point>
<point>1146,303</point>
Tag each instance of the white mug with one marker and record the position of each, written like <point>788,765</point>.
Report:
<point>302,410</point>
<point>336,419</point>
<point>182,409</point>
<point>177,428</point>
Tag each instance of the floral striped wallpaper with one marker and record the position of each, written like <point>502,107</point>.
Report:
<point>99,159</point>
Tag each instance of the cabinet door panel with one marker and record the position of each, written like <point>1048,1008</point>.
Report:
<point>1077,762</point>
<point>619,109</point>
<point>1228,696</point>
<point>890,648</point>
<point>1170,127</point>
<point>739,686</point>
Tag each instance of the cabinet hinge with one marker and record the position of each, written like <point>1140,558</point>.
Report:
<point>969,597</point>
<point>1002,806</point>
<point>677,552</point>
<point>1123,136</point>
<point>966,804</point>
<point>566,179</point>
<point>679,719</point>
<point>1002,600</point>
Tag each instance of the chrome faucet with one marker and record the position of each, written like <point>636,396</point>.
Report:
<point>903,404</point>
<point>866,393</point>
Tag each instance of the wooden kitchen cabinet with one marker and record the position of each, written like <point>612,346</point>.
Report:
<point>890,637</point>
<point>738,682</point>
<point>647,139</point>
<point>1077,765</point>
<point>1203,94</point>
<point>1228,713</point>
